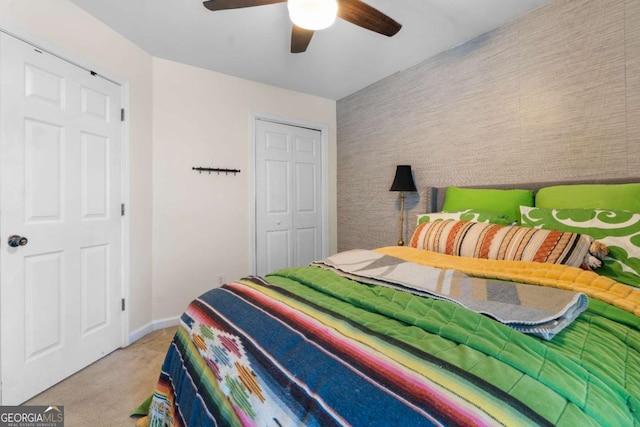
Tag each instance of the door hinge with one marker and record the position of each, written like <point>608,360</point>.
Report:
<point>122,114</point>
<point>122,209</point>
<point>122,304</point>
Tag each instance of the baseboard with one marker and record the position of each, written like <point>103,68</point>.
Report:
<point>167,322</point>
<point>153,326</point>
<point>140,332</point>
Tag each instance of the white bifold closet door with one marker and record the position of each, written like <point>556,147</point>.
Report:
<point>288,196</point>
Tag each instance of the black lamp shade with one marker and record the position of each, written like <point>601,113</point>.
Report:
<point>403,180</point>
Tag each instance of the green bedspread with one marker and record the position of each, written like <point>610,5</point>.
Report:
<point>589,374</point>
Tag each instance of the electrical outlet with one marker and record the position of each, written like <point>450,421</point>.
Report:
<point>221,279</point>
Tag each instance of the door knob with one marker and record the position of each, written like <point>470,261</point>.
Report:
<point>15,241</point>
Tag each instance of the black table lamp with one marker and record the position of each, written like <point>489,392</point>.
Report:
<point>403,182</point>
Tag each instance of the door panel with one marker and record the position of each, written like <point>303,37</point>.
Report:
<point>306,243</point>
<point>277,188</point>
<point>44,86</point>
<point>95,288</point>
<point>43,162</point>
<point>43,290</point>
<point>95,104</point>
<point>288,196</point>
<point>306,188</point>
<point>95,176</point>
<point>60,187</point>
<point>278,249</point>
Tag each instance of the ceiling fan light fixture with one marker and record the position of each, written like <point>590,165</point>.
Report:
<point>313,14</point>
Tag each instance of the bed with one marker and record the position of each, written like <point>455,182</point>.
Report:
<point>466,325</point>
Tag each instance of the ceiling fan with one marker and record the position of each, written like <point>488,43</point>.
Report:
<point>354,11</point>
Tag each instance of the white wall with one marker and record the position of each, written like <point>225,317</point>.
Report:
<point>201,222</point>
<point>64,25</point>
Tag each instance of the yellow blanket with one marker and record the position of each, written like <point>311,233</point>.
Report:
<point>554,275</point>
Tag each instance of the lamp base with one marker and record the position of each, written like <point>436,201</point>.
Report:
<point>400,239</point>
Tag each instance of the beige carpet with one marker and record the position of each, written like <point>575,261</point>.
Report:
<point>106,392</point>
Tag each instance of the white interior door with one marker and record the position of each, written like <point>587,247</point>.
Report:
<point>289,223</point>
<point>60,133</point>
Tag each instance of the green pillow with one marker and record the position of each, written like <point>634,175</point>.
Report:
<point>590,196</point>
<point>619,230</point>
<point>506,202</point>
<point>468,215</point>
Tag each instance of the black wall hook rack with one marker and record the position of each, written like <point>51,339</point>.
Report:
<point>216,170</point>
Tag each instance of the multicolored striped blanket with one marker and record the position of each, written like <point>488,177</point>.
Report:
<point>304,346</point>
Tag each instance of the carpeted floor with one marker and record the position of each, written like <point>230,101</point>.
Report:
<point>105,393</point>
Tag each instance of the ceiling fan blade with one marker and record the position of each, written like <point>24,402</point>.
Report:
<point>365,16</point>
<point>300,39</point>
<point>237,4</point>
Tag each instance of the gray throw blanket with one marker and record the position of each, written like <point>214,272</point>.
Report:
<point>532,309</point>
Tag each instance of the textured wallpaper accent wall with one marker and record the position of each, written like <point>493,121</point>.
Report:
<point>554,95</point>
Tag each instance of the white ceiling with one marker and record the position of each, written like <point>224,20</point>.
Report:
<point>253,43</point>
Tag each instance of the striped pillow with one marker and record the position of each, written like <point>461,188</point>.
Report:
<point>501,242</point>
